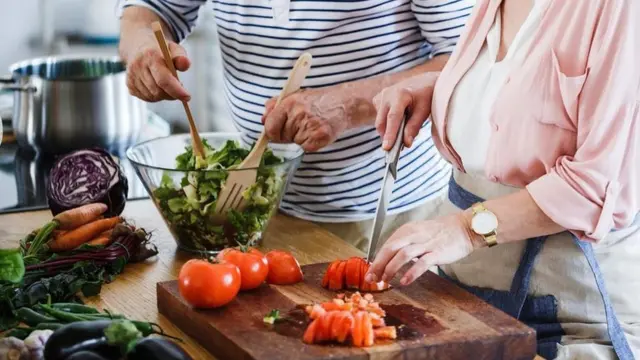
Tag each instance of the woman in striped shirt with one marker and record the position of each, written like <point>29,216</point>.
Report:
<point>358,48</point>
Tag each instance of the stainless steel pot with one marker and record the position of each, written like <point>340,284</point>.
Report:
<point>67,103</point>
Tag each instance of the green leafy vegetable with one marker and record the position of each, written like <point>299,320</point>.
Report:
<point>189,205</point>
<point>11,265</point>
<point>272,317</point>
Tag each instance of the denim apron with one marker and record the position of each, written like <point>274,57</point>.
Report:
<point>539,312</point>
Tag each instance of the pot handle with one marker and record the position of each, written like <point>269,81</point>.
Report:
<point>12,86</point>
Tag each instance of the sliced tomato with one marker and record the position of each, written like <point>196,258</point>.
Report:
<point>316,311</point>
<point>346,327</point>
<point>367,331</point>
<point>310,334</point>
<point>341,326</point>
<point>352,272</point>
<point>326,326</point>
<point>376,310</point>
<point>364,267</point>
<point>376,320</point>
<point>336,281</point>
<point>327,275</point>
<point>386,332</point>
<point>357,333</point>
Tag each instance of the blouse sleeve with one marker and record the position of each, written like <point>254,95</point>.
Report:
<point>598,189</point>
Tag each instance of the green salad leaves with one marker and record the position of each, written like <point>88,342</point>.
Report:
<point>188,200</point>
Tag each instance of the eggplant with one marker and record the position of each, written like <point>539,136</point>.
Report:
<point>79,336</point>
<point>157,349</point>
<point>86,355</point>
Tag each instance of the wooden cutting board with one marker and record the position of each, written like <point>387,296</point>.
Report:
<point>441,321</point>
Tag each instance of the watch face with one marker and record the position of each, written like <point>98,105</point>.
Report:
<point>484,223</point>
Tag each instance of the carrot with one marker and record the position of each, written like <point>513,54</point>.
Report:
<point>83,234</point>
<point>103,239</point>
<point>76,217</point>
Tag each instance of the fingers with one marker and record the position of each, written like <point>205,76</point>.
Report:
<point>149,82</point>
<point>165,80</point>
<point>424,263</point>
<point>384,256</point>
<point>149,78</point>
<point>275,121</point>
<point>402,257</point>
<point>419,113</point>
<point>179,55</point>
<point>382,109</point>
<point>397,109</point>
<point>268,107</point>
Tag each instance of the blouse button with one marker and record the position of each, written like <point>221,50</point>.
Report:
<point>495,127</point>
<point>493,178</point>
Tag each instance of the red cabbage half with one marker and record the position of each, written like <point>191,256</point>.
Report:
<point>87,176</point>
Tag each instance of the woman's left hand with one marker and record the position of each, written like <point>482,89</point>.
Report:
<point>439,241</point>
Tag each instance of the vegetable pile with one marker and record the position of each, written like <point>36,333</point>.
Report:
<point>188,207</point>
<point>209,285</point>
<point>84,177</point>
<point>354,319</point>
<point>93,339</point>
<point>77,251</point>
<point>349,274</point>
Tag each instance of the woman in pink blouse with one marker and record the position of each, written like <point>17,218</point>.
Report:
<point>538,110</point>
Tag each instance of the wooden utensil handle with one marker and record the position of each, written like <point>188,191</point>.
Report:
<point>198,148</point>
<point>293,84</point>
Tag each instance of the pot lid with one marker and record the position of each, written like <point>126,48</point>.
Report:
<point>76,67</point>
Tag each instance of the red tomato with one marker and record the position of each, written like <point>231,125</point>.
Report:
<point>284,269</point>
<point>252,264</point>
<point>206,285</point>
<point>336,279</point>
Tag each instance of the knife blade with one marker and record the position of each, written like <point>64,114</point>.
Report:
<point>389,179</point>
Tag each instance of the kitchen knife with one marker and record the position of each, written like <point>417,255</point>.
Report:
<point>390,175</point>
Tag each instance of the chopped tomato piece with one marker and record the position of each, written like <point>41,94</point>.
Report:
<point>336,281</point>
<point>367,331</point>
<point>376,310</point>
<point>340,296</point>
<point>386,332</point>
<point>310,334</point>
<point>327,275</point>
<point>316,311</point>
<point>376,320</point>
<point>368,297</point>
<point>352,270</point>
<point>325,326</point>
<point>341,326</point>
<point>357,335</point>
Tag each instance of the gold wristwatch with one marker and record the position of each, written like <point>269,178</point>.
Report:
<point>485,224</point>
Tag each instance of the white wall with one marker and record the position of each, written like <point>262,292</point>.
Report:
<point>20,25</point>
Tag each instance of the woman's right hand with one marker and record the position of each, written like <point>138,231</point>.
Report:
<point>412,97</point>
<point>148,76</point>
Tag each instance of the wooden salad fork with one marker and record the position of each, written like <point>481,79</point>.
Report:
<point>198,147</point>
<point>241,178</point>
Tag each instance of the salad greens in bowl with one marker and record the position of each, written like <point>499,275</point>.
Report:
<point>185,189</point>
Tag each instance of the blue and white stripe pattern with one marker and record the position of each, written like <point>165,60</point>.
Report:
<point>349,40</point>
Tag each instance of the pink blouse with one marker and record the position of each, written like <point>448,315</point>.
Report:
<point>566,123</point>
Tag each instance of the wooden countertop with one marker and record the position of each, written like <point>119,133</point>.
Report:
<point>133,293</point>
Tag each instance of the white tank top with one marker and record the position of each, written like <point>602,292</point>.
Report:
<point>469,125</point>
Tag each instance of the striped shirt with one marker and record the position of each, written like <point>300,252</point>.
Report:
<point>349,40</point>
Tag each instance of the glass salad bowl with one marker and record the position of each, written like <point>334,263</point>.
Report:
<point>185,190</point>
